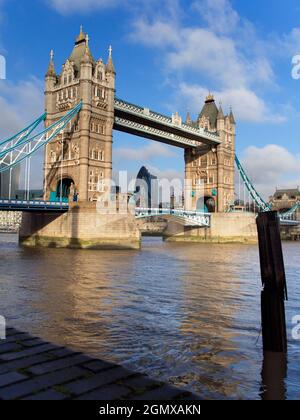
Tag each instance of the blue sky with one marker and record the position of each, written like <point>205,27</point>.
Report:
<point>168,55</point>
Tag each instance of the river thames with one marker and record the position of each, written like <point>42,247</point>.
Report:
<point>185,314</point>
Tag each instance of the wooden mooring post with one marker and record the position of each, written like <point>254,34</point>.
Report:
<point>274,283</point>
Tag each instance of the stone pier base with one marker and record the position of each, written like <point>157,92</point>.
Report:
<point>81,227</point>
<point>225,228</point>
<point>290,233</point>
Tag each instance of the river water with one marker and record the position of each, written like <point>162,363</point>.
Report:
<point>188,314</point>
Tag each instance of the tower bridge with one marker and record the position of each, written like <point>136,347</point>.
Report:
<point>82,112</point>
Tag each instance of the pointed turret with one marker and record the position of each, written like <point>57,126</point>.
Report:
<point>231,117</point>
<point>81,51</point>
<point>87,56</point>
<point>50,83</point>
<point>188,119</point>
<point>110,68</point>
<point>220,113</point>
<point>51,69</point>
<point>81,37</point>
<point>209,111</point>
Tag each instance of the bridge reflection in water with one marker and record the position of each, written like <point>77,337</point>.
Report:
<point>187,313</point>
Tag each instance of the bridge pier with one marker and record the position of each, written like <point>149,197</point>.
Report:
<point>224,228</point>
<point>82,227</point>
<point>290,233</point>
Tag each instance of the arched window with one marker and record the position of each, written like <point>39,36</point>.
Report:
<point>91,175</point>
<point>204,161</point>
<point>53,156</point>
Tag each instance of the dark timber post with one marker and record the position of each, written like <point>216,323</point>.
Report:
<point>274,283</point>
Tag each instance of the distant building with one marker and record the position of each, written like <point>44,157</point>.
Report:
<point>146,190</point>
<point>9,185</point>
<point>33,195</point>
<point>284,199</point>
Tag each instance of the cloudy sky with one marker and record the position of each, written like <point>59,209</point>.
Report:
<point>168,54</point>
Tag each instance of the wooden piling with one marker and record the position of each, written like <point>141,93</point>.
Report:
<point>274,283</point>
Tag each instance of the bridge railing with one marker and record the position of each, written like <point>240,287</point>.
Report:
<point>192,217</point>
<point>148,114</point>
<point>32,204</point>
<point>156,132</point>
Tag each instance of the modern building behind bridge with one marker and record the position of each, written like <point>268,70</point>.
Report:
<point>147,191</point>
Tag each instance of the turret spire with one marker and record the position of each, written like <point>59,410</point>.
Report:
<point>81,37</point>
<point>188,118</point>
<point>231,116</point>
<point>51,68</point>
<point>110,68</point>
<point>210,98</point>
<point>87,57</point>
<point>220,112</point>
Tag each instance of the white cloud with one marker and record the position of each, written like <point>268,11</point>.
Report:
<point>168,173</point>
<point>150,151</point>
<point>224,50</point>
<point>246,104</point>
<point>138,7</point>
<point>218,14</point>
<point>20,104</point>
<point>287,44</point>
<point>158,33</point>
<point>66,7</point>
<point>270,167</point>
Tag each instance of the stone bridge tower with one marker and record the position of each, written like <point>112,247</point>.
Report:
<point>78,162</point>
<point>213,168</point>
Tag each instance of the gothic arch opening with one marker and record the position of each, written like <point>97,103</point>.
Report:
<point>63,188</point>
<point>206,204</point>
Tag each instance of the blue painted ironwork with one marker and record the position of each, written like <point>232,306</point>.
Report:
<point>290,216</point>
<point>26,147</point>
<point>291,212</point>
<point>261,204</point>
<point>287,218</point>
<point>188,218</point>
<point>21,135</point>
<point>33,206</point>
